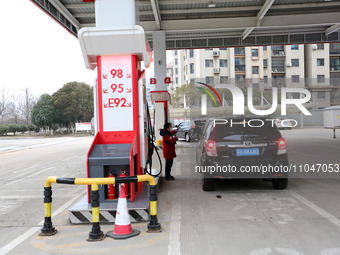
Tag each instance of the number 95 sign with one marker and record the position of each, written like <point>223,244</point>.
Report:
<point>116,93</point>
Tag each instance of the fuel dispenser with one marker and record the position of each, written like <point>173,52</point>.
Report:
<point>123,142</point>
<point>120,146</point>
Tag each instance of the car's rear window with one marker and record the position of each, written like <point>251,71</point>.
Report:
<point>226,131</point>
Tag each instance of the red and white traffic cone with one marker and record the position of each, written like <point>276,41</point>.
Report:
<point>122,228</point>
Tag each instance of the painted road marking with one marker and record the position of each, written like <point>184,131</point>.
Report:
<point>267,251</point>
<point>10,246</point>
<point>331,251</point>
<point>317,209</point>
<point>174,247</point>
<point>29,176</point>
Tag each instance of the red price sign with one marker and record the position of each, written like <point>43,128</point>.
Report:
<point>118,102</point>
<point>118,88</point>
<point>118,72</point>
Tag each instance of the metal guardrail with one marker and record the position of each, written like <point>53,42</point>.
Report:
<point>96,234</point>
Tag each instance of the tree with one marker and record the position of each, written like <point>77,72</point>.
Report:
<point>25,105</point>
<point>75,103</point>
<point>13,111</point>
<point>44,113</point>
<point>3,104</point>
<point>190,93</point>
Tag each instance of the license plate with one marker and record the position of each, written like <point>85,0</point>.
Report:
<point>247,152</point>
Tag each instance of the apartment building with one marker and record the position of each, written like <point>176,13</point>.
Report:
<point>334,66</point>
<point>312,66</point>
<point>318,73</point>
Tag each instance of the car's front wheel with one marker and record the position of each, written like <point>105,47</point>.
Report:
<point>280,183</point>
<point>187,137</point>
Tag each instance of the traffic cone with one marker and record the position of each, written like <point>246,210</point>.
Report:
<point>122,228</point>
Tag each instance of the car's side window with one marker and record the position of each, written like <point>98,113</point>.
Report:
<point>207,133</point>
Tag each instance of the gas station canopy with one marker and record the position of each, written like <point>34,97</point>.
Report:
<point>218,23</point>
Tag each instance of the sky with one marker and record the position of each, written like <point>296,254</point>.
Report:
<point>36,52</point>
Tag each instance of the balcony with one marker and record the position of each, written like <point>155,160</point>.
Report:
<point>278,69</point>
<point>278,53</point>
<point>334,68</point>
<point>334,49</point>
<point>240,68</point>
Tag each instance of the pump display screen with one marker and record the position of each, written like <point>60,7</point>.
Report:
<point>116,92</point>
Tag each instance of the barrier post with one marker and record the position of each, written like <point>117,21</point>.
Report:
<point>48,229</point>
<point>96,234</point>
<point>153,225</point>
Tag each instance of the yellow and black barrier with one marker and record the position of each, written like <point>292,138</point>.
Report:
<point>96,234</point>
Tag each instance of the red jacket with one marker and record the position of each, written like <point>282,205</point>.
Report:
<point>168,144</point>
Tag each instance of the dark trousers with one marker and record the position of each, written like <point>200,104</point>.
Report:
<point>168,165</point>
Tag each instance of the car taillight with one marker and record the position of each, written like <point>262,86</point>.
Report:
<point>210,147</point>
<point>282,146</point>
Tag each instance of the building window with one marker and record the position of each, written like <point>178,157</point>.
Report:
<point>192,69</point>
<point>224,79</point>
<point>255,53</point>
<point>209,49</point>
<point>321,94</point>
<point>192,81</point>
<point>321,78</point>
<point>239,51</point>
<point>176,61</point>
<point>320,46</point>
<point>175,52</point>
<point>223,48</point>
<point>176,80</point>
<point>295,95</point>
<point>265,79</point>
<point>209,79</point>
<point>191,53</point>
<point>294,47</point>
<point>265,48</point>
<point>256,85</point>
<point>223,63</point>
<point>176,70</point>
<point>255,70</point>
<point>265,63</point>
<point>208,63</point>
<point>320,62</point>
<point>295,62</point>
<point>295,78</point>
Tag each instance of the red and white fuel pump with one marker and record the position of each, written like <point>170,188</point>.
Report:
<point>116,47</point>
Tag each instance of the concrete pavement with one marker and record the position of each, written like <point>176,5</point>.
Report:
<point>239,217</point>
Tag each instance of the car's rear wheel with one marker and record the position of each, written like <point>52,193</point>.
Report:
<point>280,183</point>
<point>187,137</point>
<point>208,185</point>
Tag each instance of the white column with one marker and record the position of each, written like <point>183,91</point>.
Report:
<point>159,50</point>
<point>115,13</point>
